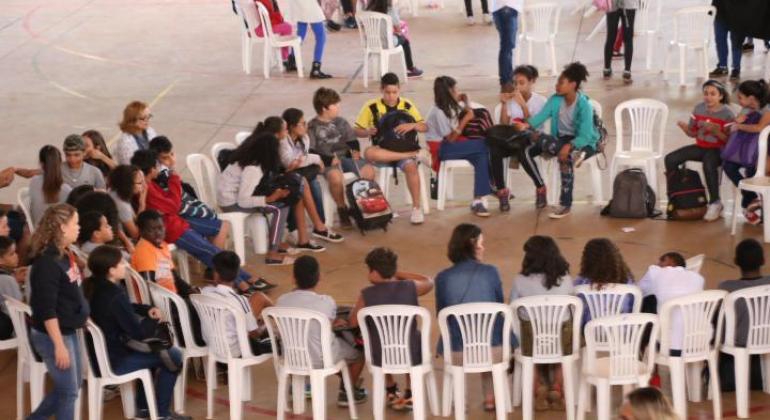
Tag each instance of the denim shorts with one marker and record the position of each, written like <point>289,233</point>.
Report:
<point>206,227</point>
<point>349,165</point>
<point>401,164</point>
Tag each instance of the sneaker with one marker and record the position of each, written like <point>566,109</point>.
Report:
<point>751,217</point>
<point>559,212</point>
<point>110,392</point>
<point>404,403</point>
<point>713,212</point>
<point>719,72</point>
<point>344,216</point>
<point>328,236</point>
<point>487,18</point>
<point>747,47</point>
<point>260,286</point>
<point>755,205</point>
<point>309,247</point>
<point>279,261</point>
<point>627,77</point>
<point>333,26</point>
<point>175,416</point>
<point>470,21</point>
<point>350,22</point>
<point>541,198</point>
<point>504,196</point>
<point>359,397</point>
<point>735,75</point>
<point>414,72</point>
<point>606,74</point>
<point>479,209</point>
<point>392,398</point>
<point>417,216</point>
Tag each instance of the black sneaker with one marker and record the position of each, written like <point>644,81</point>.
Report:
<point>627,77</point>
<point>350,22</point>
<point>504,196</point>
<point>175,416</point>
<point>333,26</point>
<point>606,74</point>
<point>719,72</point>
<point>344,215</point>
<point>541,198</point>
<point>414,72</point>
<point>328,236</point>
<point>747,47</point>
<point>359,396</point>
<point>310,247</point>
<point>260,286</point>
<point>735,75</point>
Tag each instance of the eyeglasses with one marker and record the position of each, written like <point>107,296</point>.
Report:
<point>147,118</point>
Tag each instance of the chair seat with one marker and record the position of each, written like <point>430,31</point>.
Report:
<point>538,38</point>
<point>602,370</point>
<point>637,154</point>
<point>286,41</point>
<point>755,183</point>
<point>456,164</point>
<point>394,50</point>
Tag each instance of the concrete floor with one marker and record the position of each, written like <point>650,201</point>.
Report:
<point>68,66</point>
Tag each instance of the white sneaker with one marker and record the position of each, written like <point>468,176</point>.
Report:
<point>470,21</point>
<point>417,216</point>
<point>713,212</point>
<point>487,18</point>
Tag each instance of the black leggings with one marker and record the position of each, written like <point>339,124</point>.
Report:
<point>469,8</point>
<point>626,18</point>
<point>711,162</point>
<point>407,46</point>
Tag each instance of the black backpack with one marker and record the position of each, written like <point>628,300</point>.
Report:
<point>368,205</point>
<point>386,136</point>
<point>686,195</point>
<point>632,197</point>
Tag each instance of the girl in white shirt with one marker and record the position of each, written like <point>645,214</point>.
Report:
<point>522,102</point>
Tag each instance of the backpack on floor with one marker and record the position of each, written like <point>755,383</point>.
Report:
<point>632,197</point>
<point>368,205</point>
<point>686,195</point>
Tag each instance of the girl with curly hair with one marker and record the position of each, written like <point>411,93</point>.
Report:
<point>601,266</point>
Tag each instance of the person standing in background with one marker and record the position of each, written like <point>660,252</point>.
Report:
<point>505,14</point>
<point>623,11</point>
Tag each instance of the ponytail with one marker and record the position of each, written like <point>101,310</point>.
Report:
<point>442,94</point>
<point>50,162</point>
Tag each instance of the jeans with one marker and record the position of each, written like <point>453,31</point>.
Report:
<point>407,46</point>
<point>566,169</point>
<point>474,151</point>
<point>506,22</point>
<point>320,37</point>
<point>736,44</point>
<point>626,18</point>
<point>60,402</point>
<point>469,8</point>
<point>197,246</point>
<point>710,158</point>
<point>720,39</point>
<point>733,171</point>
<point>164,378</point>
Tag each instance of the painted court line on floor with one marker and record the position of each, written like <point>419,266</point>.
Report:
<point>246,406</point>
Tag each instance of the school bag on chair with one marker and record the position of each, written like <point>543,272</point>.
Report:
<point>632,197</point>
<point>686,195</point>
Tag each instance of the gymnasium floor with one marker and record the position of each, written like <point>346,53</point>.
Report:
<point>72,65</point>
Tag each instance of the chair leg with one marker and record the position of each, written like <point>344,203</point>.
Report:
<point>211,385</point>
<point>366,70</point>
<point>527,392</point>
<point>742,384</point>
<point>95,401</point>
<point>766,226</point>
<point>517,385</point>
<point>20,389</point>
<point>246,53</point>
<point>283,380</point>
<point>347,383</point>
<point>567,369</point>
<point>582,399</point>
<point>694,383</point>
<point>667,60</point>
<point>378,394</point>
<point>424,194</point>
<point>596,180</point>
<point>442,188</point>
<point>179,388</point>
<point>677,372</point>
<point>403,66</point>
<point>433,394</point>
<point>766,373</point>
<point>603,402</point>
<point>501,397</point>
<point>736,209</point>
<point>648,59</point>
<point>447,386</point>
<point>36,386</point>
<point>552,46</point>
<point>234,391</point>
<point>716,393</point>
<point>267,60</point>
<point>418,394</point>
<point>149,395</point>
<point>682,68</point>
<point>458,389</point>
<point>529,52</point>
<point>128,399</point>
<point>298,60</point>
<point>298,394</point>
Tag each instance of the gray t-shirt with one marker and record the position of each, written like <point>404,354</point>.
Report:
<point>439,125</point>
<point>741,311</point>
<point>328,137</point>
<point>125,211</point>
<point>567,119</point>
<point>37,204</point>
<point>324,304</point>
<point>86,175</point>
<point>532,285</point>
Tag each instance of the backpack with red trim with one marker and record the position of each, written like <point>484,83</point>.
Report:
<point>686,195</point>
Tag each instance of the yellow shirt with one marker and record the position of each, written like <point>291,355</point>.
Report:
<point>366,120</point>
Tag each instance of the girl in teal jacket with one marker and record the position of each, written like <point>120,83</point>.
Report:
<point>572,129</point>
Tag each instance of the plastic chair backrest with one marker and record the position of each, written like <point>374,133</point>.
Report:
<point>241,136</point>
<point>542,20</point>
<point>22,197</point>
<point>19,312</point>
<point>695,263</point>
<point>218,148</point>
<point>764,138</point>
<point>598,109</point>
<point>757,302</point>
<point>214,313</point>
<point>476,322</point>
<point>100,350</point>
<point>623,345</point>
<point>393,326</point>
<point>294,328</point>
<point>648,119</point>
<point>373,29</point>
<point>204,173</point>
<point>248,13</point>
<point>136,287</point>
<point>165,300</point>
<point>264,19</point>
<point>497,114</point>
<point>608,300</point>
<point>692,25</point>
<point>547,314</point>
<point>648,16</point>
<point>698,312</point>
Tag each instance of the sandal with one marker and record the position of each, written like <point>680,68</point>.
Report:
<point>282,261</point>
<point>489,406</point>
<point>556,400</point>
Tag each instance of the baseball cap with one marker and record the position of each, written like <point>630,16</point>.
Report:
<point>74,143</point>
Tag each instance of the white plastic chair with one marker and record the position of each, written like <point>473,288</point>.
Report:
<point>182,261</point>
<point>540,25</point>
<point>22,197</point>
<point>136,287</point>
<point>648,17</point>
<point>446,185</point>
<point>205,176</point>
<point>255,15</point>
<point>218,147</point>
<point>695,313</point>
<point>619,339</point>
<point>695,263</point>
<point>108,377</point>
<point>293,327</point>
<point>28,368</point>
<point>241,136</point>
<point>648,119</point>
<point>165,300</point>
<point>608,300</point>
<point>476,323</point>
<point>756,301</point>
<point>547,314</point>
<point>214,313</point>
<point>692,31</point>
<point>393,325</point>
<point>385,174</point>
<point>330,206</point>
<point>554,183</point>
<point>759,184</point>
<point>373,29</point>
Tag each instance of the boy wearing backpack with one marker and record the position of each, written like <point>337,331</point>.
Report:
<point>381,153</point>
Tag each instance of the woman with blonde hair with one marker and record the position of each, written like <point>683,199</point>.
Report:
<point>59,309</point>
<point>136,132</point>
<point>647,404</point>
